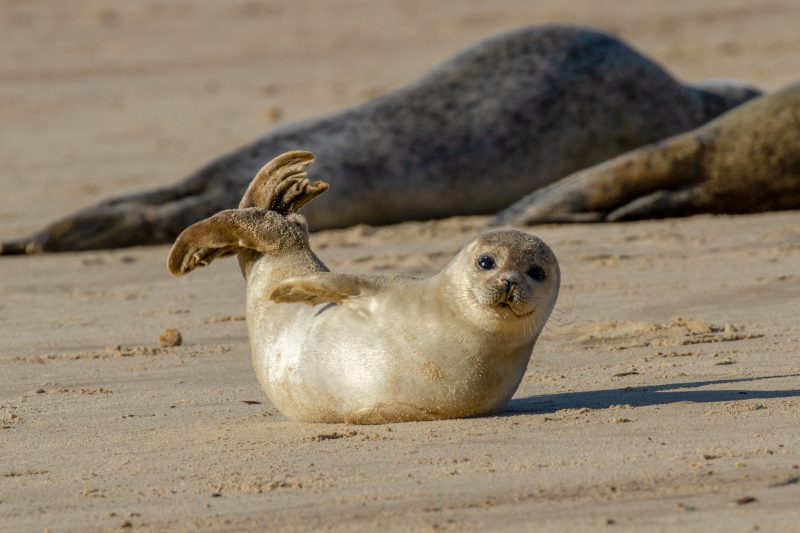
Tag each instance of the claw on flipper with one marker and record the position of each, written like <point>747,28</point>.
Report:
<point>282,184</point>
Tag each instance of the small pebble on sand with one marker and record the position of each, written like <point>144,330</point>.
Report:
<point>170,337</point>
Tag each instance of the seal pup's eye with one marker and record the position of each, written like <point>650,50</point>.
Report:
<point>486,262</point>
<point>536,272</point>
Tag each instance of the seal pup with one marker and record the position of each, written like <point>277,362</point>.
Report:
<point>746,161</point>
<point>501,119</point>
<point>372,349</point>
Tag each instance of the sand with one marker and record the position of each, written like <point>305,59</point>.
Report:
<point>663,394</point>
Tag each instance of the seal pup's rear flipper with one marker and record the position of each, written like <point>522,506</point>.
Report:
<point>591,194</point>
<point>282,184</point>
<point>230,232</point>
<point>267,221</point>
<point>327,287</point>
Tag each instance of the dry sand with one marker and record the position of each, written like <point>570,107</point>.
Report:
<point>664,393</point>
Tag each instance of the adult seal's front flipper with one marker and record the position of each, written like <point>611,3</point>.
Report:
<point>746,161</point>
<point>591,195</point>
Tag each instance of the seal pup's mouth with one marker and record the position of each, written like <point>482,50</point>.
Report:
<point>509,298</point>
<point>505,305</point>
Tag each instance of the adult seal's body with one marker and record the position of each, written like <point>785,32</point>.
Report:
<point>746,161</point>
<point>374,349</point>
<point>507,116</point>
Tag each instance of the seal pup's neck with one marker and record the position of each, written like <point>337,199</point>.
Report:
<point>262,272</point>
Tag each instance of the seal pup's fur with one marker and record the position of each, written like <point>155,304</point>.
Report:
<point>369,349</point>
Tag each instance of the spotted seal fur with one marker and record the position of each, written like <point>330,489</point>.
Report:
<point>746,161</point>
<point>499,120</point>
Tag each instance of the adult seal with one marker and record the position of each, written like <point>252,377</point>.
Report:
<point>369,349</point>
<point>503,118</point>
<point>746,161</point>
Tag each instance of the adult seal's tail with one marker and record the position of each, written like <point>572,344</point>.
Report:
<point>504,118</point>
<point>746,161</point>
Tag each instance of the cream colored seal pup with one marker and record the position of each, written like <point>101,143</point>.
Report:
<point>369,349</point>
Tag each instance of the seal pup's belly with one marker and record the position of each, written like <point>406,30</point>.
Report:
<point>329,361</point>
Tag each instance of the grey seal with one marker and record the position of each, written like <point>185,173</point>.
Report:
<point>499,120</point>
<point>371,349</point>
<point>745,161</point>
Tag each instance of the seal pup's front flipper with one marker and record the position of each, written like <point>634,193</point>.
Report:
<point>591,194</point>
<point>327,287</point>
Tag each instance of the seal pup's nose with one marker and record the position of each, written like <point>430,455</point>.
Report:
<point>509,285</point>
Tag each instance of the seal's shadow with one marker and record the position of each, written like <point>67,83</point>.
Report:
<point>646,395</point>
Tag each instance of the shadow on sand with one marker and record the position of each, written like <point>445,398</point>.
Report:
<point>640,396</point>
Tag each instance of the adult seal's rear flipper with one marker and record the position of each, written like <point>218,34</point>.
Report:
<point>147,218</point>
<point>159,216</point>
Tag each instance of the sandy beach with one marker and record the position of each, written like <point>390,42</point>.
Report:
<point>663,395</point>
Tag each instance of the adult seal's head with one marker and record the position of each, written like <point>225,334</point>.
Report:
<point>369,349</point>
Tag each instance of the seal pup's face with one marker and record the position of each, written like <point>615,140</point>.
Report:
<point>506,279</point>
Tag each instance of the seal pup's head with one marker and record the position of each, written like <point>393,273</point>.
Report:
<point>505,281</point>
